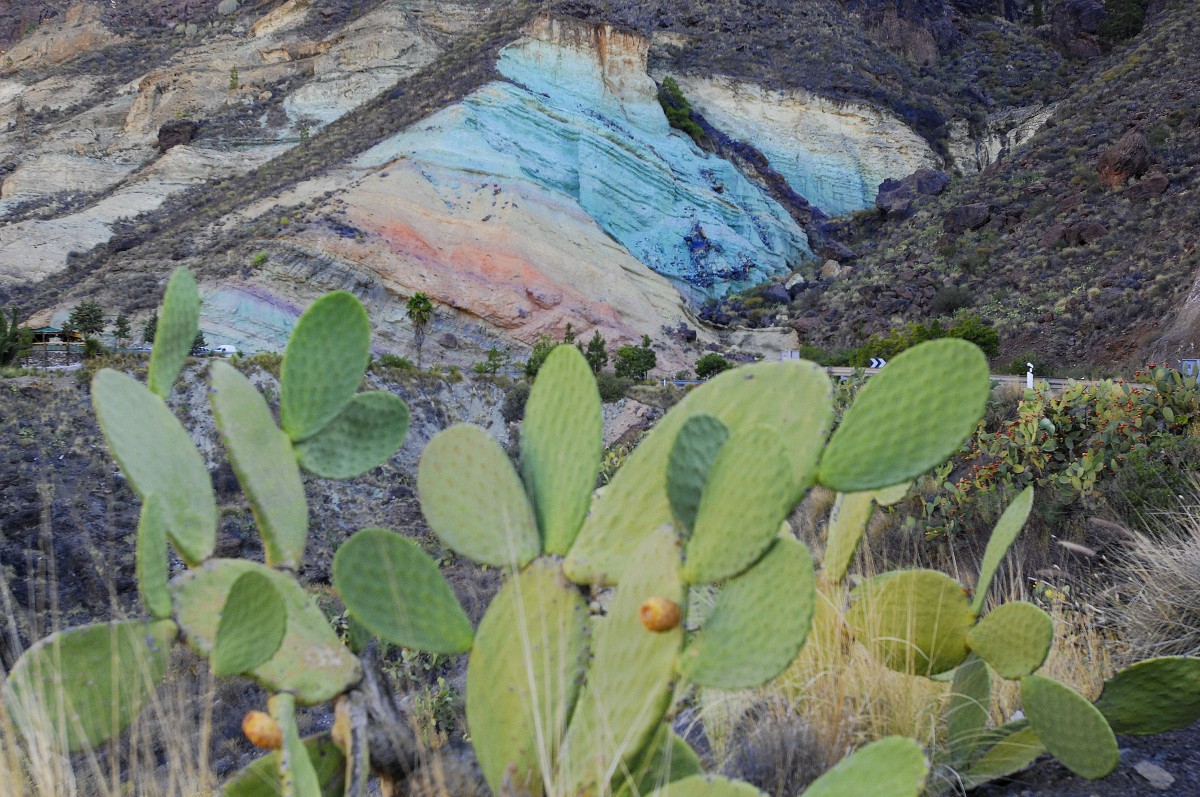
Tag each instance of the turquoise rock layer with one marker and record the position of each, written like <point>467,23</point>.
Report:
<point>577,114</point>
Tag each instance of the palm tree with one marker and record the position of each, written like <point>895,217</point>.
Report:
<point>420,312</point>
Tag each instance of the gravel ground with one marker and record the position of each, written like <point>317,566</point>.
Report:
<point>1167,764</point>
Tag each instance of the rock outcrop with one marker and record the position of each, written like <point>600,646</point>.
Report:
<point>1128,158</point>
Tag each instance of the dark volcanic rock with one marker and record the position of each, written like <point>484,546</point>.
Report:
<point>176,132</point>
<point>1129,157</point>
<point>833,250</point>
<point>1155,184</point>
<point>776,294</point>
<point>895,197</point>
<point>1074,25</point>
<point>1085,232</point>
<point>966,217</point>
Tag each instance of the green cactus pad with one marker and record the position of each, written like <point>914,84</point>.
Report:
<point>708,786</point>
<point>1153,696</point>
<point>913,620</point>
<point>474,500</point>
<point>1017,747</point>
<point>629,680</point>
<point>910,416</point>
<point>523,676</point>
<point>297,775</point>
<point>92,679</point>
<point>795,399</point>
<point>692,454</point>
<point>324,364</point>
<point>1014,638</point>
<point>363,436</point>
<point>847,522</point>
<point>1005,533</point>
<point>731,532</point>
<point>152,566</point>
<point>260,778</point>
<point>394,589</point>
<point>667,759</point>
<point>1072,729</point>
<point>175,333</point>
<point>561,443</point>
<point>759,623</point>
<point>252,625</point>
<point>265,464</point>
<point>157,456</point>
<point>310,661</point>
<point>890,767</point>
<point>969,707</point>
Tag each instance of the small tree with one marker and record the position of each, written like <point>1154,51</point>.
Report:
<point>711,364</point>
<point>635,362</point>
<point>150,328</point>
<point>496,360</point>
<point>597,352</point>
<point>87,318</point>
<point>198,342</point>
<point>420,311</point>
<point>121,330</point>
<point>15,342</point>
<point>541,350</point>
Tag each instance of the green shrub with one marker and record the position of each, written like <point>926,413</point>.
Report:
<point>396,361</point>
<point>612,387</point>
<point>710,365</point>
<point>513,409</point>
<point>635,362</point>
<point>679,110</point>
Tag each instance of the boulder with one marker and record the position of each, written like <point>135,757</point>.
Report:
<point>1085,232</point>
<point>1129,157</point>
<point>833,250</point>
<point>227,7</point>
<point>776,294</point>
<point>895,197</point>
<point>966,217</point>
<point>831,269</point>
<point>176,132</point>
<point>1154,184</point>
<point>1053,234</point>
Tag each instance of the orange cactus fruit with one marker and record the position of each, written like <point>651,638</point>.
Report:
<point>659,614</point>
<point>262,730</point>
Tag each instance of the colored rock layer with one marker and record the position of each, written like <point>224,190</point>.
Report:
<point>578,116</point>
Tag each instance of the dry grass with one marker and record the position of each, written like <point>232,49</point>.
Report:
<point>1162,614</point>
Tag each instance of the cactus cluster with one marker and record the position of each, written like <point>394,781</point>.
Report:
<point>571,685</point>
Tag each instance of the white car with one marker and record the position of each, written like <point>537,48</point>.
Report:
<point>224,351</point>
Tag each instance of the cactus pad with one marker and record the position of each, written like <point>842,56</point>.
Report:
<point>847,522</point>
<point>1014,638</point>
<point>692,454</point>
<point>731,533</point>
<point>629,679</point>
<point>368,430</point>
<point>561,443</point>
<point>324,364</point>
<point>95,677</point>
<point>890,767</point>
<point>265,464</point>
<point>260,778</point>
<point>394,589</point>
<point>914,620</point>
<point>175,333</point>
<point>909,417</point>
<point>152,566</point>
<point>523,676</point>
<point>707,786</point>
<point>1005,533</point>
<point>252,625</point>
<point>969,707</point>
<point>759,623</point>
<point>1153,696</point>
<point>794,399</point>
<point>1016,748</point>
<point>311,661</point>
<point>297,775</point>
<point>157,456</point>
<point>1072,729</point>
<point>474,500</point>
<point>668,758</point>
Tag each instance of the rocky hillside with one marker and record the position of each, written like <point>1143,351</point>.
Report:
<point>514,162</point>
